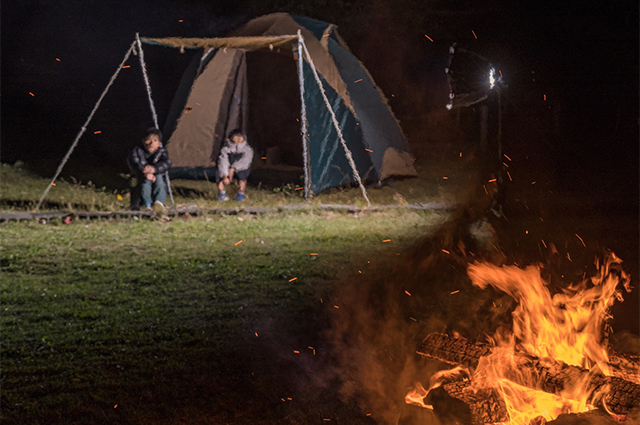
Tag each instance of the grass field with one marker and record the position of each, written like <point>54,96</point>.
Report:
<point>192,321</point>
<point>293,317</point>
<point>22,188</point>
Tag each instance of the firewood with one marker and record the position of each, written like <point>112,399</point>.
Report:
<point>458,402</point>
<point>553,376</point>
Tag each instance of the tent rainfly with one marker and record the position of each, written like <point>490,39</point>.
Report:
<point>350,134</point>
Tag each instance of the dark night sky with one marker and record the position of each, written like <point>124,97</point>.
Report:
<point>584,58</point>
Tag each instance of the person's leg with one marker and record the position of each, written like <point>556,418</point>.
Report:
<point>242,176</point>
<point>135,194</point>
<point>146,192</point>
<point>159,189</point>
<point>242,184</point>
<point>222,195</point>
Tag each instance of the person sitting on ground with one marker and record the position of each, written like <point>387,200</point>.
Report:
<point>234,162</point>
<point>149,162</point>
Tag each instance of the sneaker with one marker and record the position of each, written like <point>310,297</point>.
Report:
<point>223,197</point>
<point>240,197</point>
<point>158,209</point>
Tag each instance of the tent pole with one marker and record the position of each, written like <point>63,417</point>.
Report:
<point>303,120</point>
<point>153,108</point>
<point>84,127</point>
<point>347,152</point>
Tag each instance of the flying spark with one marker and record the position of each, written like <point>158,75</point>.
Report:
<point>445,251</point>
<point>455,292</point>
<point>368,150</point>
<point>238,243</point>
<point>407,292</point>
<point>431,39</point>
<point>474,34</point>
<point>291,280</point>
<point>387,240</point>
<point>357,81</point>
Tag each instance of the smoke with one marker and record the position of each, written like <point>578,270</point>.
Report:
<point>381,321</point>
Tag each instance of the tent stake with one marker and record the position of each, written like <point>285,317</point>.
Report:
<point>303,119</point>
<point>153,108</point>
<point>84,127</point>
<point>347,152</point>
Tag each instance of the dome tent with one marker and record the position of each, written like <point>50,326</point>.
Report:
<point>351,132</point>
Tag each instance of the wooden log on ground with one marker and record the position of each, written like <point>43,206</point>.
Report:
<point>551,375</point>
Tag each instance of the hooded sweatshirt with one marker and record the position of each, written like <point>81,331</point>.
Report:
<point>238,156</point>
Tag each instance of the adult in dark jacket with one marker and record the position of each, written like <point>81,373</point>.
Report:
<point>148,163</point>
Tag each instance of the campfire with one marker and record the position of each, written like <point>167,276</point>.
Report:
<point>553,359</point>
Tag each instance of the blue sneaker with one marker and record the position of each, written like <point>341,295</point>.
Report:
<point>223,197</point>
<point>240,197</point>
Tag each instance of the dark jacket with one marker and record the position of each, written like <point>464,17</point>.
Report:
<point>140,158</point>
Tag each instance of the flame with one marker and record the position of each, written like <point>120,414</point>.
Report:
<point>566,326</point>
<point>547,330</point>
<point>416,396</point>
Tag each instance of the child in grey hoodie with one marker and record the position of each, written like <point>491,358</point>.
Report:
<point>234,162</point>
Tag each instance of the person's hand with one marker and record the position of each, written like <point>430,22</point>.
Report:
<point>226,180</point>
<point>149,169</point>
<point>150,176</point>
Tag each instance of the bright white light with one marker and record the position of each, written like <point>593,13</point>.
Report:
<point>492,77</point>
<point>449,106</point>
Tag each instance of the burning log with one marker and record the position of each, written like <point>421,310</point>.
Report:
<point>458,402</point>
<point>552,376</point>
